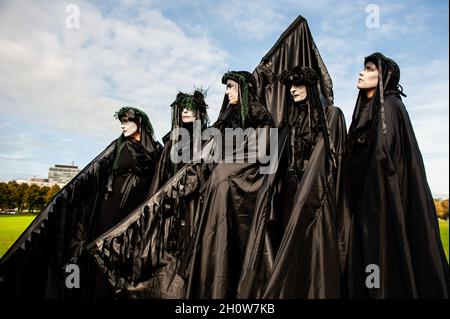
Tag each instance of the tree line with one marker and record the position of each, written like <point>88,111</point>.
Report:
<point>32,198</point>
<point>441,208</point>
<point>25,198</point>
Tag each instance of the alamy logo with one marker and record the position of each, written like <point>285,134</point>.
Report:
<point>373,279</point>
<point>73,276</point>
<point>73,17</point>
<point>373,19</point>
<point>251,145</point>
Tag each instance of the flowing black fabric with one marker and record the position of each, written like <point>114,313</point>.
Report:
<point>97,198</point>
<point>297,246</point>
<point>307,262</point>
<point>298,241</point>
<point>394,221</point>
<point>178,223</point>
<point>232,200</point>
<point>295,47</point>
<point>137,256</point>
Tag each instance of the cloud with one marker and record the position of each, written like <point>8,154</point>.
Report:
<point>74,79</point>
<point>62,86</point>
<point>249,19</point>
<point>67,83</point>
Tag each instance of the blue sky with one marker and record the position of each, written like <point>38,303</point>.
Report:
<point>59,86</point>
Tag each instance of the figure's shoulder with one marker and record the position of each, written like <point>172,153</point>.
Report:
<point>335,110</point>
<point>394,107</point>
<point>335,113</point>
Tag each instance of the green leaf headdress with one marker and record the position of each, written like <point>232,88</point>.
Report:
<point>194,102</point>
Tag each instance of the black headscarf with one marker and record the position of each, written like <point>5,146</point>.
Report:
<point>251,112</point>
<point>145,152</point>
<point>365,119</point>
<point>144,126</point>
<point>315,106</point>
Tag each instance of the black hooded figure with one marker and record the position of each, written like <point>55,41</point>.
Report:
<point>304,211</point>
<point>134,254</point>
<point>107,189</point>
<point>184,102</point>
<point>178,217</point>
<point>395,249</point>
<point>228,199</point>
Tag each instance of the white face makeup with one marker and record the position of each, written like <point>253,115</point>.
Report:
<point>298,92</point>
<point>368,78</point>
<point>129,128</point>
<point>188,116</point>
<point>232,92</point>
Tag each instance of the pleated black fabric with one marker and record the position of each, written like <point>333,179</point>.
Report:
<point>35,264</point>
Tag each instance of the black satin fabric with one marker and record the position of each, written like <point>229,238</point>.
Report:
<point>394,223</point>
<point>35,264</point>
<point>177,224</point>
<point>138,255</point>
<point>297,249</point>
<point>233,200</point>
<point>295,47</point>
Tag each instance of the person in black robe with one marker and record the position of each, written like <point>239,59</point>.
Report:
<point>186,110</point>
<point>228,200</point>
<point>133,254</point>
<point>295,47</point>
<point>302,217</point>
<point>395,249</point>
<point>178,217</point>
<point>108,188</point>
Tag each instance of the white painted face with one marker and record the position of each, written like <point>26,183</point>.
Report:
<point>188,116</point>
<point>298,92</point>
<point>129,128</point>
<point>232,92</point>
<point>368,78</point>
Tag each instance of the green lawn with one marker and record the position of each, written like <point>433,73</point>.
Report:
<point>10,229</point>
<point>12,226</point>
<point>443,225</point>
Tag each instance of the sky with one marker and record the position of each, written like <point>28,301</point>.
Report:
<point>67,66</point>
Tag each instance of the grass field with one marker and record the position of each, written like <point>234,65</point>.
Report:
<point>10,229</point>
<point>12,226</point>
<point>443,225</point>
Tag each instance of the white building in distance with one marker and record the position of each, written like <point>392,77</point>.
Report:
<point>62,174</point>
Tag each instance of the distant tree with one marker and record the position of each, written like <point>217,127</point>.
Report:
<point>42,194</point>
<point>4,194</point>
<point>23,196</point>
<point>444,205</point>
<point>51,193</point>
<point>32,197</point>
<point>439,210</point>
<point>21,191</point>
<point>13,194</point>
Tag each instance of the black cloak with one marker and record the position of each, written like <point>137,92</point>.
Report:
<point>138,236</point>
<point>295,47</point>
<point>99,196</point>
<point>228,201</point>
<point>394,222</point>
<point>133,254</point>
<point>295,249</point>
<point>178,217</point>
